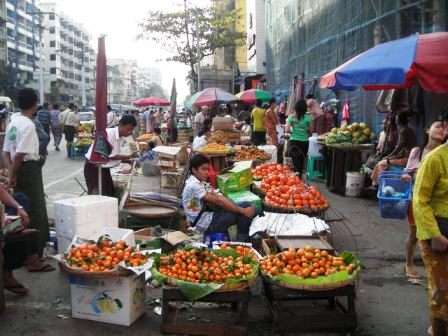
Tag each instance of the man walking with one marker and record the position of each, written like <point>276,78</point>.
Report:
<point>43,115</point>
<point>55,126</point>
<point>21,157</point>
<point>69,119</point>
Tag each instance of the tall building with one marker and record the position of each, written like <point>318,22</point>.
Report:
<point>69,58</point>
<point>22,31</point>
<point>149,75</point>
<point>121,81</point>
<point>3,43</point>
<point>256,40</point>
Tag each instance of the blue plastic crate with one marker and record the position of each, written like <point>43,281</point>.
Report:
<point>389,174</point>
<point>78,153</point>
<point>394,206</point>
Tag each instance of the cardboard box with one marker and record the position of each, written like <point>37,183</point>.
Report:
<point>236,179</point>
<point>166,242</point>
<point>117,300</point>
<point>246,196</point>
<point>222,123</point>
<point>281,243</point>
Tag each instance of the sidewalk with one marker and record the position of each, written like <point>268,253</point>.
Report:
<point>386,303</point>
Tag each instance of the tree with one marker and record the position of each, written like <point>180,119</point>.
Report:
<point>10,84</point>
<point>153,90</point>
<point>176,32</point>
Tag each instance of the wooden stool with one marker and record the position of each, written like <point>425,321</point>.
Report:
<point>337,317</point>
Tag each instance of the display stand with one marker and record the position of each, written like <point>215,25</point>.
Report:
<point>339,162</point>
<point>238,298</point>
<point>334,316</point>
<point>218,161</point>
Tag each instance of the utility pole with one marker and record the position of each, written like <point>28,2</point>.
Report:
<point>41,49</point>
<point>83,78</point>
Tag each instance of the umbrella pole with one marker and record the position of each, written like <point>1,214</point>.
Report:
<point>100,180</point>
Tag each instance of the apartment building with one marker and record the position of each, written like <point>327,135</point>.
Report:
<point>3,43</point>
<point>22,35</point>
<point>149,75</point>
<point>70,60</point>
<point>121,80</point>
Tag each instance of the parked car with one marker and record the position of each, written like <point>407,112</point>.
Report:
<point>87,118</point>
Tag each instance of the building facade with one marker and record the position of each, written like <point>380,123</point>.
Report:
<point>70,60</point>
<point>312,37</point>
<point>149,75</point>
<point>22,31</point>
<point>121,81</point>
<point>3,43</point>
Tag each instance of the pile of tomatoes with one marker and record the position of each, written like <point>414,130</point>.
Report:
<point>284,189</point>
<point>103,256</point>
<point>304,263</point>
<point>267,169</point>
<point>205,266</point>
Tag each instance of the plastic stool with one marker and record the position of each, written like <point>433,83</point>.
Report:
<point>209,238</point>
<point>314,167</point>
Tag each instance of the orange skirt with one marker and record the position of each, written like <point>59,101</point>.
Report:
<point>436,266</point>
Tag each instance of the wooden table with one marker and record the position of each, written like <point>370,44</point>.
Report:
<point>334,316</point>
<point>238,298</point>
<point>340,161</point>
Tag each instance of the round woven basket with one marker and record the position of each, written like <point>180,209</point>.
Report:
<point>78,271</point>
<point>256,190</point>
<point>304,210</point>
<point>226,287</point>
<point>316,287</point>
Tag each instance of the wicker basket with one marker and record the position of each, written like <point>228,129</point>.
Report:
<point>226,287</point>
<point>304,210</point>
<point>79,272</point>
<point>307,287</point>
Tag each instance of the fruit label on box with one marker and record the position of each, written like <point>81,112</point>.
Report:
<point>246,196</point>
<point>118,300</point>
<point>235,181</point>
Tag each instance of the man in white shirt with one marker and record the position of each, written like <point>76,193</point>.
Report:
<point>116,138</point>
<point>110,117</point>
<point>200,117</point>
<point>21,157</point>
<point>69,119</point>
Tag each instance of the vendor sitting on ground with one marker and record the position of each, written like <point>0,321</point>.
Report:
<point>201,140</point>
<point>157,140</point>
<point>399,156</point>
<point>197,193</point>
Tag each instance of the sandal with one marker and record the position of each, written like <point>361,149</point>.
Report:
<point>17,289</point>
<point>412,274</point>
<point>44,268</point>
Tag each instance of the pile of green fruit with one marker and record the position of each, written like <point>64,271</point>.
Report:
<point>352,134</point>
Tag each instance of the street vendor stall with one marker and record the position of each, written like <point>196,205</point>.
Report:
<point>83,139</point>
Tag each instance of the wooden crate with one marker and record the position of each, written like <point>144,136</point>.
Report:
<point>170,180</point>
<point>281,243</point>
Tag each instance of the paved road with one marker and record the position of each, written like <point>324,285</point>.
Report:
<point>386,303</point>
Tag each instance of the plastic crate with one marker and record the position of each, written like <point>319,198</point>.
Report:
<point>394,206</point>
<point>389,174</point>
<point>78,153</point>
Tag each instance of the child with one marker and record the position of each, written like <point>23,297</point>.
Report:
<point>149,154</point>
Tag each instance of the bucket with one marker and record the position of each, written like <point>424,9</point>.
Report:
<point>314,147</point>
<point>149,168</point>
<point>354,184</point>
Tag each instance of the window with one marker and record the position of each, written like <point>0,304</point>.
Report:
<point>52,30</point>
<point>51,16</point>
<point>53,71</point>
<point>53,57</point>
<point>52,44</point>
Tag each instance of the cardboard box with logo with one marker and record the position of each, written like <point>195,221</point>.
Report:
<point>236,179</point>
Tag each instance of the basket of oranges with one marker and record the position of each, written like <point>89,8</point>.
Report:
<point>310,269</point>
<point>199,271</point>
<point>101,258</point>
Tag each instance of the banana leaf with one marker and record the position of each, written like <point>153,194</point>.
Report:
<point>341,276</point>
<point>196,291</point>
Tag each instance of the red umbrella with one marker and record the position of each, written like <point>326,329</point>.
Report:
<point>151,101</point>
<point>101,147</point>
<point>212,96</point>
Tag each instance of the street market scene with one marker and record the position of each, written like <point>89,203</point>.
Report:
<point>226,167</point>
